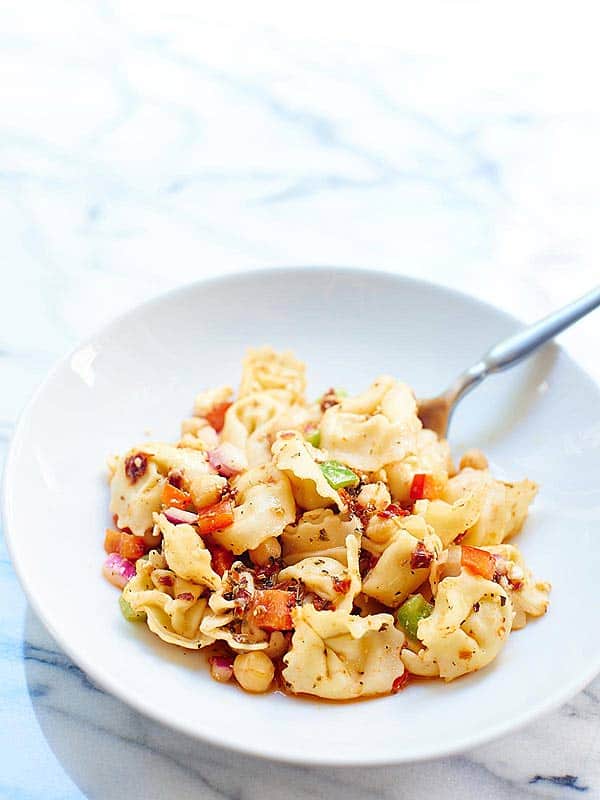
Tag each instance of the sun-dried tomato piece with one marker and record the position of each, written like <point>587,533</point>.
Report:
<point>136,466</point>
<point>329,399</point>
<point>421,557</point>
<point>321,604</point>
<point>393,510</point>
<point>341,585</point>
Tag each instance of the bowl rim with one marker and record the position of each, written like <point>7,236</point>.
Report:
<point>107,684</point>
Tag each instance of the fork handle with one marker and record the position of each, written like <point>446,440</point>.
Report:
<point>512,350</point>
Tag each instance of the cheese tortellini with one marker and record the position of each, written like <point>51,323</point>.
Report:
<point>374,428</point>
<point>320,532</point>
<point>139,478</point>
<point>328,543</point>
<point>503,510</point>
<point>186,553</point>
<point>265,370</point>
<point>264,507</point>
<point>337,655</point>
<point>298,461</point>
<point>403,564</point>
<point>174,608</point>
<point>529,596</point>
<point>470,622</point>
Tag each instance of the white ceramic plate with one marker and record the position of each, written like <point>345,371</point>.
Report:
<point>138,377</point>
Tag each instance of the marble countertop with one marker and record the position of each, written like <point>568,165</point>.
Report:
<point>144,145</point>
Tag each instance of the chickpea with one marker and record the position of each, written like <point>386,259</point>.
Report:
<point>270,548</point>
<point>278,645</point>
<point>376,495</point>
<point>473,458</point>
<point>254,671</point>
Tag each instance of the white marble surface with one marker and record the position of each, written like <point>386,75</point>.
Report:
<point>144,145</point>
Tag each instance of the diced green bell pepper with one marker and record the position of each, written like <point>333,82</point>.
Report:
<point>129,613</point>
<point>314,437</point>
<point>338,476</point>
<point>411,612</point>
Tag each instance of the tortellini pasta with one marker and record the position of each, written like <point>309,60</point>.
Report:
<point>331,542</point>
<point>504,506</point>
<point>186,553</point>
<point>252,422</point>
<point>337,655</point>
<point>337,583</point>
<point>265,370</point>
<point>297,460</point>
<point>173,606</point>
<point>402,567</point>
<point>381,530</point>
<point>198,477</point>
<point>452,519</point>
<point>529,596</point>
<point>224,623</point>
<point>372,429</point>
<point>248,424</point>
<point>207,400</point>
<point>320,532</point>
<point>138,481</point>
<point>135,497</point>
<point>264,507</point>
<point>431,455</point>
<point>470,623</point>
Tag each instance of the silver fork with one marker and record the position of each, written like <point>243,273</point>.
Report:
<point>436,412</point>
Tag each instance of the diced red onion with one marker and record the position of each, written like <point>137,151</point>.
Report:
<point>448,565</point>
<point>118,570</point>
<point>177,516</point>
<point>221,668</point>
<point>227,459</point>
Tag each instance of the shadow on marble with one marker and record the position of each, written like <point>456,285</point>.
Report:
<point>111,751</point>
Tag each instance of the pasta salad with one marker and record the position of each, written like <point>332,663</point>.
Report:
<point>326,548</point>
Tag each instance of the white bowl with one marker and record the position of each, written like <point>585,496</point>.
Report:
<point>138,377</point>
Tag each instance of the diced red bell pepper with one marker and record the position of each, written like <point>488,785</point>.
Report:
<point>423,487</point>
<point>271,609</point>
<point>221,557</point>
<point>112,540</point>
<point>125,544</point>
<point>478,561</point>
<point>216,416</point>
<point>401,682</point>
<point>216,517</point>
<point>174,497</point>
